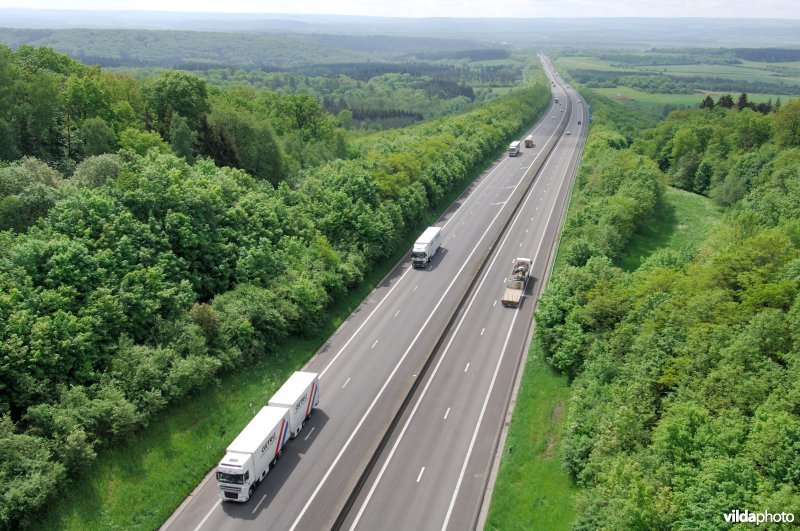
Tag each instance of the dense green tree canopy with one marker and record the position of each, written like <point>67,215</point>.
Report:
<point>685,392</point>
<point>142,275</point>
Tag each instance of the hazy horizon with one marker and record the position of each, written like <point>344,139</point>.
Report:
<point>734,9</point>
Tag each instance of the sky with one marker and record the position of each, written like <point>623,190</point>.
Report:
<point>447,8</point>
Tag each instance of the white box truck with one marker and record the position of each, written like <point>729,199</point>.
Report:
<point>514,148</point>
<point>300,394</point>
<point>252,453</point>
<point>426,246</point>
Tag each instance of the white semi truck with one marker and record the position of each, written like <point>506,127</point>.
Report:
<point>426,246</point>
<point>257,448</point>
<point>252,453</point>
<point>300,394</point>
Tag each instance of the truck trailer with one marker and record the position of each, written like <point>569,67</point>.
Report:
<point>515,284</point>
<point>252,453</point>
<point>300,394</point>
<point>426,246</point>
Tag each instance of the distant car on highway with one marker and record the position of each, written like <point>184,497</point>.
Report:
<point>569,132</point>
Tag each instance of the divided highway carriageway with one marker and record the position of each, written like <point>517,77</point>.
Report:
<point>415,384</point>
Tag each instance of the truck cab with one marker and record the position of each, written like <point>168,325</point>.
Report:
<point>252,454</point>
<point>236,477</point>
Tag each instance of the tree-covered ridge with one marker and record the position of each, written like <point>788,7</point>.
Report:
<point>192,50</point>
<point>384,95</point>
<point>676,84</point>
<point>660,57</point>
<point>61,111</point>
<point>709,56</point>
<point>768,55</point>
<point>686,372</point>
<point>139,276</point>
<point>371,102</point>
<point>721,150</point>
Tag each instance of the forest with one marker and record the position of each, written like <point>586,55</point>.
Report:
<point>677,84</point>
<point>685,372</point>
<point>709,56</point>
<point>193,50</point>
<point>677,57</point>
<point>159,233</point>
<point>768,55</point>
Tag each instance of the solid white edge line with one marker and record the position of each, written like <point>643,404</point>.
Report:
<point>203,521</point>
<point>494,377</point>
<point>396,367</point>
<point>480,420</point>
<point>399,281</point>
<point>444,354</point>
<point>391,375</point>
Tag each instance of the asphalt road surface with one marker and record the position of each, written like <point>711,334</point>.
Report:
<point>415,383</point>
<point>433,472</point>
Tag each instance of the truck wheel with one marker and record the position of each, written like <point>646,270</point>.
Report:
<point>250,491</point>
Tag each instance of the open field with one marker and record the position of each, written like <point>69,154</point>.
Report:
<point>653,104</point>
<point>752,72</point>
<point>588,63</point>
<point>683,222</point>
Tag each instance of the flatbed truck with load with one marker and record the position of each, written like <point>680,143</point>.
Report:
<point>515,284</point>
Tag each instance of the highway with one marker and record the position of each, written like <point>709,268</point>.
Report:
<point>438,462</point>
<point>415,383</point>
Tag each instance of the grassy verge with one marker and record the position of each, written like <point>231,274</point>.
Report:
<point>682,222</point>
<point>138,484</point>
<point>533,491</point>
